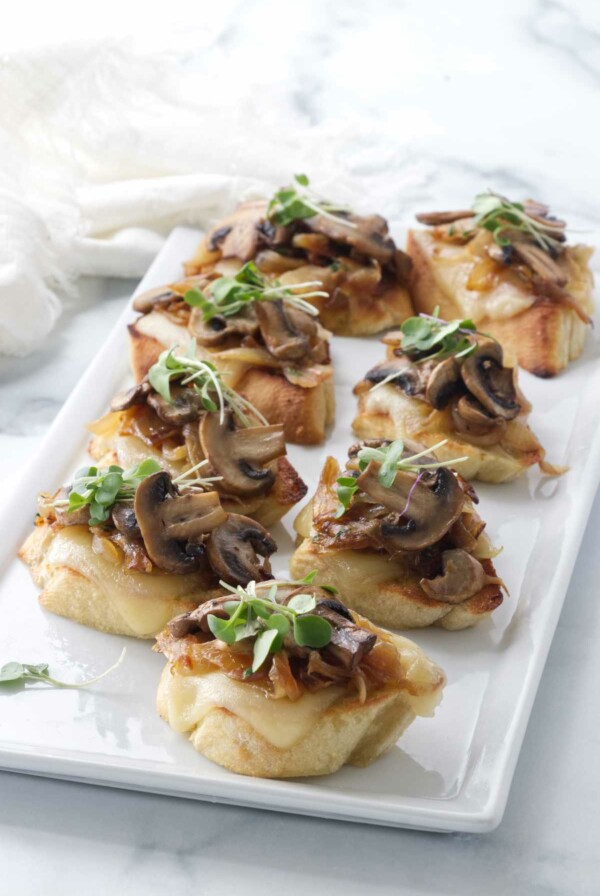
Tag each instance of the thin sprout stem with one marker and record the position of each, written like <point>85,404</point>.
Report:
<point>191,470</point>
<point>425,451</point>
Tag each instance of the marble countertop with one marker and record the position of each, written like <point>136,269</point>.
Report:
<point>504,95</point>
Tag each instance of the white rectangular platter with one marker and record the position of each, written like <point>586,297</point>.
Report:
<point>450,773</point>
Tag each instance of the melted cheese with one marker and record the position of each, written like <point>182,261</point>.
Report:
<point>144,601</point>
<point>158,326</point>
<point>282,723</point>
<point>451,266</point>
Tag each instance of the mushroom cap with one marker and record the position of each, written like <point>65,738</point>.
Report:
<point>369,236</point>
<point>280,331</point>
<point>185,406</point>
<point>463,577</point>
<point>234,548</point>
<point>158,296</point>
<point>409,377</point>
<point>137,395</point>
<point>238,455</point>
<point>172,526</point>
<point>492,384</point>
<point>428,505</point>
<point>444,380</point>
<point>475,423</point>
<point>219,328</point>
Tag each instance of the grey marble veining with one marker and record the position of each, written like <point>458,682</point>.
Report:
<point>477,95</point>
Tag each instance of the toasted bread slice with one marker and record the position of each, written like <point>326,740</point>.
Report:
<point>387,413</point>
<point>97,590</point>
<point>540,334</point>
<point>304,412</point>
<point>387,591</point>
<point>243,728</point>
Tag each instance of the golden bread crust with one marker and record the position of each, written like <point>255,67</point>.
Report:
<point>347,733</point>
<point>542,338</point>
<point>305,413</point>
<point>386,592</point>
<point>80,594</point>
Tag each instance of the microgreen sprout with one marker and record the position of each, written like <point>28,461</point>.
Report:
<point>429,333</point>
<point>391,460</point>
<point>298,201</point>
<point>254,612</point>
<point>229,295</point>
<point>102,489</point>
<point>24,673</point>
<point>206,380</point>
<point>502,218</point>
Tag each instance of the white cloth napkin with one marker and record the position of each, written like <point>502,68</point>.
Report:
<point>104,150</point>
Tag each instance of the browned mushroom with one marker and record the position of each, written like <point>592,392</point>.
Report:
<point>137,395</point>
<point>172,525</point>
<point>409,377</point>
<point>369,235</point>
<point>474,423</point>
<point>219,328</point>
<point>238,235</point>
<point>349,642</point>
<point>491,383</point>
<point>444,381</point>
<point>147,301</point>
<point>280,331</point>
<point>239,455</point>
<point>539,261</point>
<point>62,514</point>
<point>196,621</point>
<point>234,548</point>
<point>463,577</point>
<point>124,521</point>
<point>185,406</point>
<point>427,506</point>
<point>438,219</point>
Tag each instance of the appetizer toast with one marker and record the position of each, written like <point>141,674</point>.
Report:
<point>445,386</point>
<point>185,417</point>
<point>267,343</point>
<point>283,681</point>
<point>398,535</point>
<point>507,267</point>
<point>298,240</point>
<point>124,551</point>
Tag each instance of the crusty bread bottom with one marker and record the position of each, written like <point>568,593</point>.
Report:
<point>542,339</point>
<point>386,592</point>
<point>348,732</point>
<point>123,610</point>
<point>387,413</point>
<point>365,315</point>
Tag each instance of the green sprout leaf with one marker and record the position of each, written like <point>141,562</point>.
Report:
<point>261,618</point>
<point>298,202</point>
<point>302,603</point>
<point>229,296</point>
<point>102,490</point>
<point>203,377</point>
<point>312,631</point>
<point>391,459</point>
<point>262,647</point>
<point>28,673</point>
<point>503,219</point>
